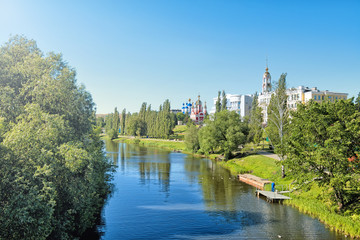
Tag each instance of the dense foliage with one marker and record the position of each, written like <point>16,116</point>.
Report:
<point>224,134</point>
<point>323,145</point>
<point>112,124</point>
<point>54,176</point>
<point>192,138</point>
<point>146,122</point>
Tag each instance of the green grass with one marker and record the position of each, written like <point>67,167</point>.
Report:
<point>180,129</point>
<point>166,144</point>
<point>179,132</point>
<point>349,225</point>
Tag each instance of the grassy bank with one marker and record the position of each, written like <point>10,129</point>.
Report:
<point>160,143</point>
<point>313,200</point>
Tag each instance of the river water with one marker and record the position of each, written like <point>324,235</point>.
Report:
<point>165,195</point>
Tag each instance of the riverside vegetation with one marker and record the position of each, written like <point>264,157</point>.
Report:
<point>318,151</point>
<point>54,175</point>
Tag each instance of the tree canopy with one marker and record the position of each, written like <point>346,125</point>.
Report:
<point>54,176</point>
<point>323,144</point>
<point>224,134</point>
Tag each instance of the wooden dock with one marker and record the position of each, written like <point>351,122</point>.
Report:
<point>272,196</point>
<point>254,180</point>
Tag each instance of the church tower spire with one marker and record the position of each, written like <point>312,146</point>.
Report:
<point>266,85</point>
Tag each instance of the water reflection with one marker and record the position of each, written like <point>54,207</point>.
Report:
<point>150,163</point>
<point>176,196</point>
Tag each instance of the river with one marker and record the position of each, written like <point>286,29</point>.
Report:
<point>165,195</point>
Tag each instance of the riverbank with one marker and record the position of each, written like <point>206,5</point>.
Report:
<point>311,201</point>
<point>172,145</point>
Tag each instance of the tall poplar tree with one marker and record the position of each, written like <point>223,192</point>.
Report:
<point>278,120</point>
<point>218,103</point>
<point>122,121</point>
<point>223,101</point>
<point>256,120</point>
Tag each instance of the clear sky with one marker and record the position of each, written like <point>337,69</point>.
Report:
<point>133,51</point>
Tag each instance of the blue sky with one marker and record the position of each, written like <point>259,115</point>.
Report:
<point>129,52</point>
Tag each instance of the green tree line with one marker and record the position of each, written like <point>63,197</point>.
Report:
<point>54,176</point>
<point>147,122</point>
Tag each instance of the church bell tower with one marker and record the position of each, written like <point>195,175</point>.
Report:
<point>266,85</point>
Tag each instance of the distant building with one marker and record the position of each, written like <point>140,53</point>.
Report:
<point>297,95</point>
<point>241,104</point>
<point>175,110</point>
<point>198,111</point>
<point>186,107</point>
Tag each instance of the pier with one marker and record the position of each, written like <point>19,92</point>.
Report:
<point>254,180</point>
<point>273,196</point>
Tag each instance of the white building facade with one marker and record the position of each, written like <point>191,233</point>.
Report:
<point>297,95</point>
<point>241,104</point>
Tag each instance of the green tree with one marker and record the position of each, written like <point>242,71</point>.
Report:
<point>255,122</point>
<point>218,103</point>
<point>322,138</point>
<point>224,134</point>
<point>357,101</point>
<point>100,121</point>
<point>191,138</point>
<point>223,101</point>
<point>180,116</point>
<point>54,176</point>
<point>278,120</point>
<point>122,121</point>
<point>115,124</point>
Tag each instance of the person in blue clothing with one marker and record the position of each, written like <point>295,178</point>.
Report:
<point>273,187</point>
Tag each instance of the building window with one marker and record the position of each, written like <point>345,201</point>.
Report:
<point>322,97</point>
<point>315,97</point>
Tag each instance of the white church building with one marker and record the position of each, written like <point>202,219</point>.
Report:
<point>241,104</point>
<point>296,95</point>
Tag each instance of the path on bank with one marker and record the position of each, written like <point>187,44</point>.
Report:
<point>269,154</point>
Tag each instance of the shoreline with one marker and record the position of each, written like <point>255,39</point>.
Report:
<point>347,225</point>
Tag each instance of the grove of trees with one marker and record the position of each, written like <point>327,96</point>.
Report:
<point>323,144</point>
<point>224,134</point>
<point>54,175</point>
<point>147,122</point>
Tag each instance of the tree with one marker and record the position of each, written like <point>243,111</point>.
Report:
<point>116,123</point>
<point>218,103</point>
<point>256,121</point>
<point>191,138</point>
<point>225,134</point>
<point>357,102</point>
<point>223,101</point>
<point>122,121</point>
<point>323,144</point>
<point>180,116</point>
<point>54,175</point>
<point>278,119</point>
